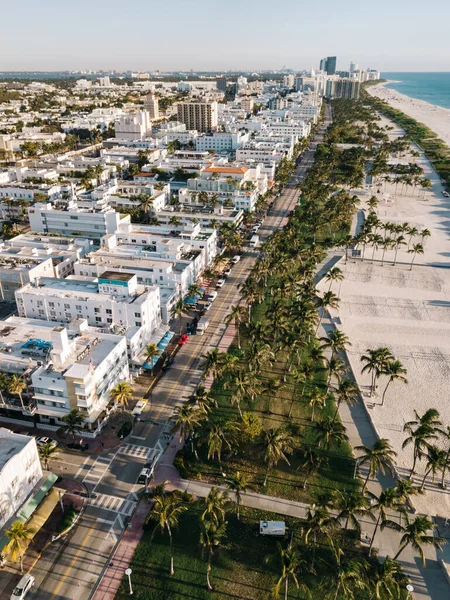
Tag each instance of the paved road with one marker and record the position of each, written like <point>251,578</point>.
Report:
<point>112,477</point>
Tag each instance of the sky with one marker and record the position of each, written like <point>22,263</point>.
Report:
<point>390,35</point>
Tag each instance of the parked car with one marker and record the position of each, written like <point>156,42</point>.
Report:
<point>226,272</point>
<point>183,339</point>
<point>76,446</point>
<point>137,410</point>
<point>446,194</point>
<point>235,259</point>
<point>190,329</point>
<point>40,441</point>
<point>168,361</point>
<point>212,296</point>
<point>23,587</point>
<point>220,283</point>
<point>145,475</point>
<point>208,305</point>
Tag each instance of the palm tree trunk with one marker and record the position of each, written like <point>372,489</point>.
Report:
<point>313,552</point>
<point>286,587</point>
<point>366,480</point>
<point>385,390</point>
<point>21,562</point>
<point>266,477</point>
<point>414,464</point>
<point>445,469</point>
<point>236,324</point>
<point>338,587</point>
<point>172,571</point>
<point>21,401</point>
<point>423,480</point>
<point>374,533</point>
<point>399,552</point>
<point>410,268</point>
<point>208,569</point>
<point>395,257</point>
<point>337,410</point>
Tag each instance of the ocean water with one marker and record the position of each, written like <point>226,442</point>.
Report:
<point>430,87</point>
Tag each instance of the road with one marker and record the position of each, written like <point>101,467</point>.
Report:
<point>70,570</point>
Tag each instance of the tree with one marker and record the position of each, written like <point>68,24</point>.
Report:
<point>219,434</point>
<point>351,507</point>
<point>177,311</point>
<point>276,443</point>
<point>187,420</point>
<point>203,399</point>
<point>48,452</point>
<point>389,499</point>
<point>350,576</point>
<point>122,393</point>
<point>415,534</point>
<point>328,431</point>
<point>376,362</point>
<point>313,460</point>
<point>16,385</point>
<point>213,363</point>
<point>319,522</point>
<point>415,250</point>
<point>151,352</point>
<point>291,564</point>
<point>216,503</point>
<point>239,484</point>
<point>347,391</point>
<point>334,274</point>
<point>422,430</point>
<point>316,397</point>
<point>73,423</point>
<point>328,300</point>
<point>387,579</point>
<point>381,457</point>
<point>435,462</point>
<point>445,434</point>
<point>211,536</point>
<point>19,536</point>
<point>336,341</point>
<point>238,315</point>
<point>396,372</point>
<point>399,241</point>
<point>166,511</point>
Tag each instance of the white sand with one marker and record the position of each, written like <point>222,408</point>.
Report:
<point>434,117</point>
<point>408,311</point>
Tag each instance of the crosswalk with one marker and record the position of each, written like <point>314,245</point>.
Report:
<point>97,470</point>
<point>137,451</point>
<point>120,506</point>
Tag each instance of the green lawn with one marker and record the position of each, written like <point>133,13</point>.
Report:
<point>245,567</point>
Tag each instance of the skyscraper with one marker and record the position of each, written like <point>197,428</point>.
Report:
<point>221,83</point>
<point>201,116</point>
<point>151,103</point>
<point>328,65</point>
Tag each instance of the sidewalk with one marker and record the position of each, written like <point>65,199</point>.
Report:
<point>121,559</point>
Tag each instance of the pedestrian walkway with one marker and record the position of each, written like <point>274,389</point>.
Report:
<point>120,506</point>
<point>137,451</point>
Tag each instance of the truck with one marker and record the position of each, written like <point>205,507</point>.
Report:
<point>272,527</point>
<point>254,242</point>
<point>202,325</point>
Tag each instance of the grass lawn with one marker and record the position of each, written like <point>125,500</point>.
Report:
<point>245,567</point>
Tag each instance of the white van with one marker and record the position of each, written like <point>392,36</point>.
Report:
<point>254,242</point>
<point>202,325</point>
<point>272,527</point>
<point>23,587</point>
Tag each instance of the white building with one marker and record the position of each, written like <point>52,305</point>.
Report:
<point>20,471</point>
<point>133,127</point>
<point>151,104</point>
<point>221,142</point>
<point>115,302</point>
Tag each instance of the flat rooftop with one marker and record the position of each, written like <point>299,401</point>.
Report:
<point>116,275</point>
<point>10,444</point>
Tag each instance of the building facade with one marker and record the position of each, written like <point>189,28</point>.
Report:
<point>201,116</point>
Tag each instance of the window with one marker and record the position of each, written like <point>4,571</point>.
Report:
<point>138,323</point>
<point>137,314</point>
<point>98,319</point>
<point>109,320</point>
<point>51,304</point>
<point>97,310</point>
<point>66,305</point>
<point>108,311</point>
<point>78,307</point>
<point>74,218</point>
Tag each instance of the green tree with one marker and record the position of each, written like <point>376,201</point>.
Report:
<point>389,499</point>
<point>19,536</point>
<point>435,461</point>
<point>415,534</point>
<point>422,430</point>
<point>351,508</point>
<point>276,443</point>
<point>48,452</point>
<point>347,391</point>
<point>151,352</point>
<point>329,431</point>
<point>73,424</point>
<point>376,361</point>
<point>211,536</point>
<point>237,315</point>
<point>178,311</point>
<point>386,579</point>
<point>216,503</point>
<point>415,250</point>
<point>239,484</point>
<point>334,274</point>
<point>122,393</point>
<point>291,565</point>
<point>16,385</point>
<point>381,457</point>
<point>187,420</point>
<point>395,372</point>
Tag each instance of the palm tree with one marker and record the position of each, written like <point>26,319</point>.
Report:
<point>187,420</point>
<point>216,503</point>
<point>445,433</point>
<point>336,340</point>
<point>424,234</point>
<point>334,274</point>
<point>122,393</point>
<point>336,368</point>
<point>166,511</point>
<point>435,462</point>
<point>328,431</point>
<point>48,452</point>
<point>151,352</point>
<point>375,363</point>
<point>19,535</point>
<point>386,244</point>
<point>381,457</point>
<point>396,372</point>
<point>211,536</point>
<point>239,484</point>
<point>399,241</point>
<point>316,397</point>
<point>421,431</point>
<point>178,311</point>
<point>351,507</point>
<point>415,534</point>
<point>313,460</point>
<point>73,423</point>
<point>350,577</point>
<point>276,443</point>
<point>385,578</point>
<point>271,388</point>
<point>389,499</point>
<point>376,240</point>
<point>328,300</point>
<point>347,391</point>
<point>243,385</point>
<point>405,489</point>
<point>203,399</point>
<point>212,363</point>
<point>319,522</point>
<point>238,315</point>
<point>415,250</point>
<point>16,385</point>
<point>291,564</point>
<point>4,379</point>
<point>219,434</point>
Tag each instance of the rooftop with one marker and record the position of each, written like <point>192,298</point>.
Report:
<point>116,275</point>
<point>11,444</point>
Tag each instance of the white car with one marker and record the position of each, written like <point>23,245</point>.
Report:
<point>220,283</point>
<point>207,306</point>
<point>137,410</point>
<point>446,194</point>
<point>235,259</point>
<point>212,296</point>
<point>23,587</point>
<point>40,441</point>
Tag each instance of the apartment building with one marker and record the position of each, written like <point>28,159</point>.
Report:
<point>343,87</point>
<point>151,104</point>
<point>63,368</point>
<point>115,302</point>
<point>20,471</point>
<point>136,126</point>
<point>201,116</point>
<point>221,142</point>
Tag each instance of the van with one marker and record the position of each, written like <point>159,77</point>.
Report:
<point>272,527</point>
<point>202,325</point>
<point>254,241</point>
<point>235,259</point>
<point>145,475</point>
<point>23,587</point>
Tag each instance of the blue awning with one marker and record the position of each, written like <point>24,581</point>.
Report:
<point>161,345</point>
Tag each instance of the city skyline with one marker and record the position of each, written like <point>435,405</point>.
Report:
<point>103,36</point>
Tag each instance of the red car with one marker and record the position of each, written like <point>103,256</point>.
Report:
<point>183,339</point>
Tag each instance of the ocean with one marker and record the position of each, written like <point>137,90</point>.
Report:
<point>430,87</point>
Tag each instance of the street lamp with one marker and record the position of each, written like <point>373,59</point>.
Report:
<point>128,572</point>
<point>409,589</point>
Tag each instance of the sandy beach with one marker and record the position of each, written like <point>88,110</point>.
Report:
<point>434,117</point>
<point>409,312</point>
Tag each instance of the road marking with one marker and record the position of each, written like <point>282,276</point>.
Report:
<point>136,451</point>
<point>77,554</point>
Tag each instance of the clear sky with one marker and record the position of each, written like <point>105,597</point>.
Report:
<point>391,35</point>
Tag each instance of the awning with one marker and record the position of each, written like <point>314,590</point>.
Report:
<point>29,507</point>
<point>45,509</point>
<point>162,345</point>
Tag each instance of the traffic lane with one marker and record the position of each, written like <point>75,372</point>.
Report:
<point>77,565</point>
<point>121,477</point>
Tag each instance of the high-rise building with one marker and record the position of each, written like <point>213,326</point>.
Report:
<point>201,116</point>
<point>343,88</point>
<point>289,81</point>
<point>353,67</point>
<point>328,65</point>
<point>221,83</point>
<point>151,104</point>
